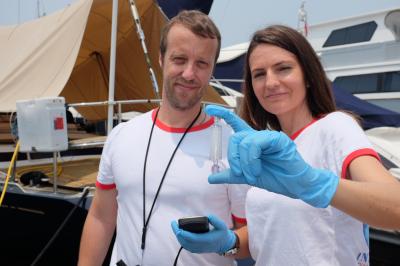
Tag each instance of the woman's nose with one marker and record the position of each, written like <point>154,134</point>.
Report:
<point>271,81</point>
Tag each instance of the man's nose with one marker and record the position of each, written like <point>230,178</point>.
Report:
<point>188,72</point>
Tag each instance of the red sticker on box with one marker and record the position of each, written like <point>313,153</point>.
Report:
<point>58,123</point>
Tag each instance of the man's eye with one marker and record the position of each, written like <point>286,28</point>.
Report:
<point>179,60</point>
<point>202,64</point>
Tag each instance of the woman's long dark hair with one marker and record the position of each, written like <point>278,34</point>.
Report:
<point>319,93</point>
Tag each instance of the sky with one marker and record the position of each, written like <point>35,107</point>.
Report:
<point>236,19</point>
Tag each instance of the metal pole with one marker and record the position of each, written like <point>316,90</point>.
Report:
<point>140,33</point>
<point>55,172</point>
<point>119,113</point>
<point>111,83</point>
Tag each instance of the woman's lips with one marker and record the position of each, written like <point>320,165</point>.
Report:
<point>276,95</point>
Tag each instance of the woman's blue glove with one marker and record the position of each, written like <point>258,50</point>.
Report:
<point>218,240</point>
<point>269,160</point>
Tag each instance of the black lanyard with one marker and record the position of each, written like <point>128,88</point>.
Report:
<point>146,221</point>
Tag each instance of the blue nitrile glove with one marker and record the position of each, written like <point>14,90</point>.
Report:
<point>218,240</point>
<point>269,160</point>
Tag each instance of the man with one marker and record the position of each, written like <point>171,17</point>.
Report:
<point>154,168</point>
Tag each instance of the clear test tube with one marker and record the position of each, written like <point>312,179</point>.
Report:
<point>216,143</point>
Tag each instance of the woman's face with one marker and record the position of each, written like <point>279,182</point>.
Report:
<point>278,80</point>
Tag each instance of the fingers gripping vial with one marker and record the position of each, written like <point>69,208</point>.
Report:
<point>216,143</point>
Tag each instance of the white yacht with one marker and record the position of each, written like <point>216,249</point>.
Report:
<point>360,54</point>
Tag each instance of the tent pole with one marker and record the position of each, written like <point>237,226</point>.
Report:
<point>111,83</point>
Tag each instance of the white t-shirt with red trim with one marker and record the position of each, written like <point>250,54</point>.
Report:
<point>185,191</point>
<point>285,231</point>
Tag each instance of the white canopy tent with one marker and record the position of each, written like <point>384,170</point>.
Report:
<point>37,57</point>
<point>68,54</point>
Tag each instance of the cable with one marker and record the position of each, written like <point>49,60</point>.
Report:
<point>9,173</point>
<point>146,221</point>
<point>45,169</point>
<point>85,192</point>
<point>177,256</point>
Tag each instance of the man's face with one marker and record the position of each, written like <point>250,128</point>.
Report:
<point>187,66</point>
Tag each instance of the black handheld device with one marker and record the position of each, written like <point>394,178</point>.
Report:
<point>195,224</point>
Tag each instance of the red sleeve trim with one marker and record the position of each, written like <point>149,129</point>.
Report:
<point>239,220</point>
<point>105,186</point>
<point>355,154</point>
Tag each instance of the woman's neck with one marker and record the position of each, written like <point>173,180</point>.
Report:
<point>294,121</point>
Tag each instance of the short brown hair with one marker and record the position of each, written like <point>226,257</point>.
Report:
<point>319,94</point>
<point>197,22</point>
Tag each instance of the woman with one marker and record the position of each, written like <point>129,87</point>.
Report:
<point>314,192</point>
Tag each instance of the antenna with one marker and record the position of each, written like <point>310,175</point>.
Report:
<point>19,11</point>
<point>302,25</point>
<point>39,13</point>
<point>38,8</point>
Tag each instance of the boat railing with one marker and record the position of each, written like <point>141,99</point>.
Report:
<point>99,141</point>
<point>123,102</point>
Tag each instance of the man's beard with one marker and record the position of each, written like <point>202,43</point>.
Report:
<point>182,101</point>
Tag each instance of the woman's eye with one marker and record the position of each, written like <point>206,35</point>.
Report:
<point>258,74</point>
<point>284,68</point>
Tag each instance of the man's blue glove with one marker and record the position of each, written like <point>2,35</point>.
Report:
<point>269,160</point>
<point>218,240</point>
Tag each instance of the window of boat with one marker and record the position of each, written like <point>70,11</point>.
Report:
<point>370,83</point>
<point>358,84</point>
<point>353,34</point>
<point>391,81</point>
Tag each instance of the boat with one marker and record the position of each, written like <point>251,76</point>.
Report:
<point>361,56</point>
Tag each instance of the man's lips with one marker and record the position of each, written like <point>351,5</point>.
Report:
<point>185,86</point>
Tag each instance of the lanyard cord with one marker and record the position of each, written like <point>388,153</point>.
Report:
<point>146,221</point>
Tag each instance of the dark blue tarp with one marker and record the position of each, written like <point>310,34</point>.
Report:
<point>172,7</point>
<point>232,69</point>
<point>372,115</point>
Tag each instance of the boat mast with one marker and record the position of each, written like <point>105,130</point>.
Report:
<point>140,32</point>
<point>111,83</point>
<point>302,25</point>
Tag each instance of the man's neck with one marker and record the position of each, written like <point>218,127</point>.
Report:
<point>177,118</point>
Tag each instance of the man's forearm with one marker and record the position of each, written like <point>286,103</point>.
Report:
<point>95,242</point>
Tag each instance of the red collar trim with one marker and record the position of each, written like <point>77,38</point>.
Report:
<point>298,132</point>
<point>167,128</point>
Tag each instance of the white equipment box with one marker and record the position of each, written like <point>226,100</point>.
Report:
<point>42,125</point>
